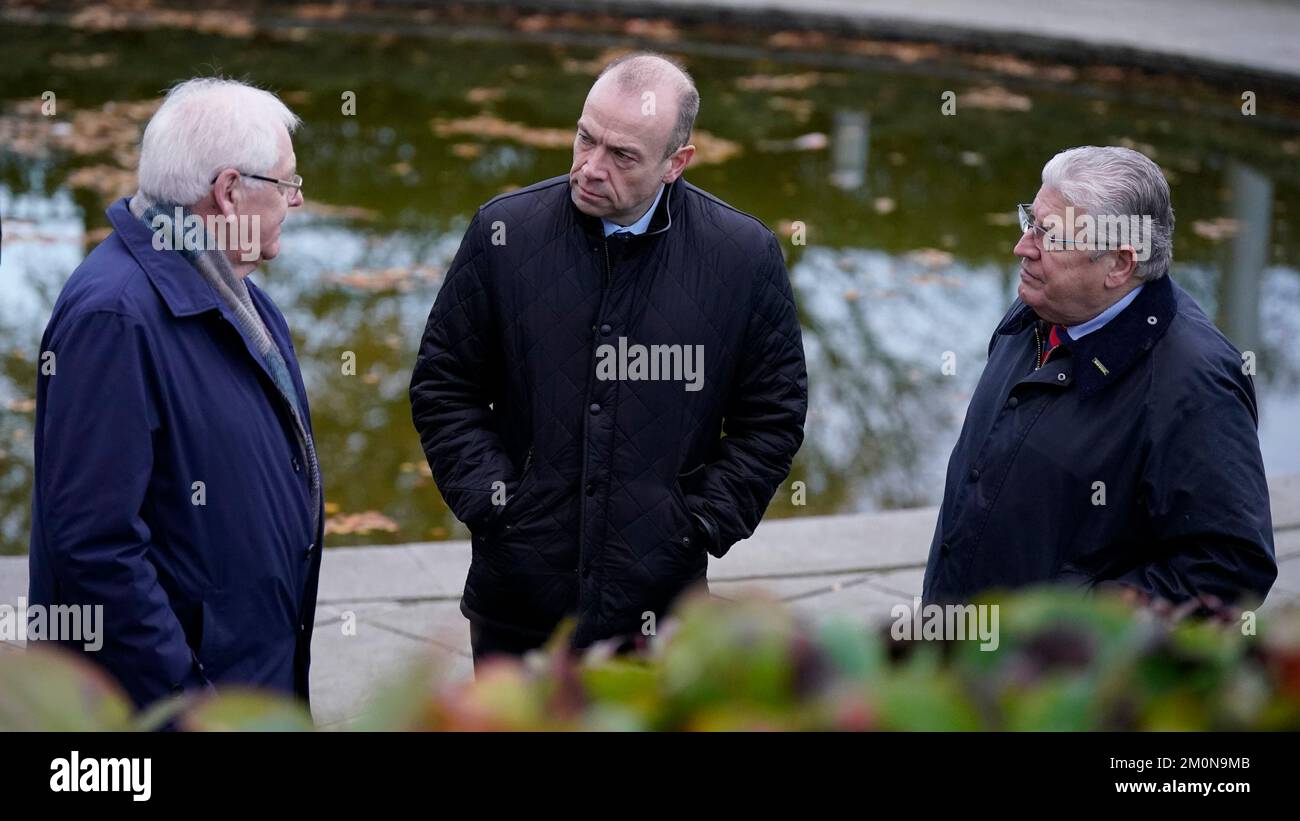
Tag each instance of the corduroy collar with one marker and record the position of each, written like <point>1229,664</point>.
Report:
<point>1104,355</point>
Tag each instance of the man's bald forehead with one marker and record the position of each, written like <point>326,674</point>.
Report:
<point>639,71</point>
<point>634,74</point>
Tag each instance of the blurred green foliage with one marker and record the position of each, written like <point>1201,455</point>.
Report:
<point>1063,662</point>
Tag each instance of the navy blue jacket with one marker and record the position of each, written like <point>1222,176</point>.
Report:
<point>616,490</point>
<point>154,391</point>
<point>1131,459</point>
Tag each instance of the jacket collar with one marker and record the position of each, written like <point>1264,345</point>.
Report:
<point>1104,355</point>
<point>669,203</point>
<point>180,286</point>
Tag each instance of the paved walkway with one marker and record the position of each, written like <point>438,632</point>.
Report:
<point>1255,36</point>
<point>406,599</point>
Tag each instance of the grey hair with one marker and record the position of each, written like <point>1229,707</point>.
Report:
<point>645,68</point>
<point>1116,181</point>
<point>206,125</point>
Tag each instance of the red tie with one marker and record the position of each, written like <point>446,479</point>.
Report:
<point>1053,342</point>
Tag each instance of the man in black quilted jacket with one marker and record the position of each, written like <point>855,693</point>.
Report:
<point>594,339</point>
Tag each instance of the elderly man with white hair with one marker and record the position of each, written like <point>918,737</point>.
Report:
<point>176,477</point>
<point>1112,440</point>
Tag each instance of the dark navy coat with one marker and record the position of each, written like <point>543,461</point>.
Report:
<point>1132,459</point>
<point>154,391</point>
<point>618,489</point>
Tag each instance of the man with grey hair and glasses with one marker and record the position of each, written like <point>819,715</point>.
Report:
<point>176,479</point>
<point>1112,439</point>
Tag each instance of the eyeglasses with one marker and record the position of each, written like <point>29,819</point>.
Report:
<point>1026,212</point>
<point>293,184</point>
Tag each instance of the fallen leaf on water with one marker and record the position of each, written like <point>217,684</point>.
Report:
<point>105,180</point>
<point>713,149</point>
<point>803,40</point>
<point>1017,67</point>
<point>82,62</point>
<point>994,98</point>
<point>225,22</point>
<point>595,65</point>
<point>359,524</point>
<point>490,126</point>
<point>385,279</point>
<point>780,82</point>
<point>1129,142</point>
<point>708,147</point>
<point>113,128</point>
<point>786,228</point>
<point>1217,229</point>
<point>480,95</point>
<point>929,257</point>
<point>341,211</point>
<point>815,141</point>
<point>903,52</point>
<point>659,29</point>
<point>801,109</point>
<point>321,11</point>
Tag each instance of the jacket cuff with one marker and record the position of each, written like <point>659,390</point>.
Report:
<point>709,533</point>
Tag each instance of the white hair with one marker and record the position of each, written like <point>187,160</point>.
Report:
<point>1115,181</point>
<point>206,125</point>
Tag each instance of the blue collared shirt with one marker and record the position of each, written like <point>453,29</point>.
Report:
<point>1083,329</point>
<point>640,226</point>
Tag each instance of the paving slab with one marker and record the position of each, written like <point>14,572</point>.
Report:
<point>1257,36</point>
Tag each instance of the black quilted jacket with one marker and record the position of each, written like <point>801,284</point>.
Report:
<point>614,488</point>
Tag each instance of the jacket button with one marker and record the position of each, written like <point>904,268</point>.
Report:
<point>1012,402</point>
<point>974,475</point>
<point>606,328</point>
<point>686,540</point>
<point>1060,377</point>
<point>296,467</point>
<point>310,548</point>
<point>591,488</point>
<point>944,549</point>
<point>595,408</point>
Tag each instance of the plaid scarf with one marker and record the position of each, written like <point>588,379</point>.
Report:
<point>215,269</point>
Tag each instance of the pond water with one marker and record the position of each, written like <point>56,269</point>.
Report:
<point>908,217</point>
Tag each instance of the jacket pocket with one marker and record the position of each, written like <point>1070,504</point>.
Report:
<point>210,647</point>
<point>503,516</point>
<point>685,538</point>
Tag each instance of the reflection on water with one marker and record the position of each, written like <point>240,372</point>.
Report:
<point>908,218</point>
